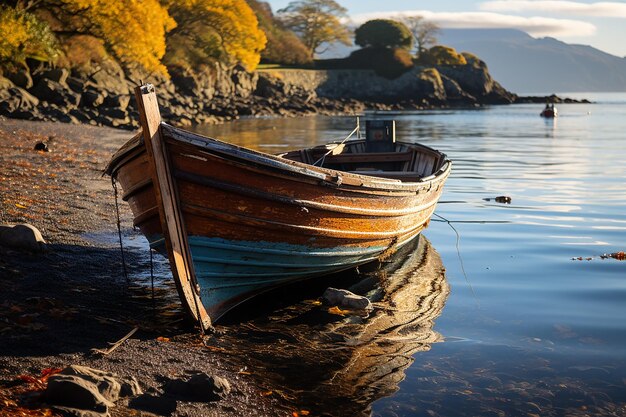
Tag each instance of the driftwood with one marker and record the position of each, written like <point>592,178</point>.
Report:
<point>115,345</point>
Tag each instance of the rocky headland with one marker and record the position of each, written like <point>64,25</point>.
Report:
<point>103,96</point>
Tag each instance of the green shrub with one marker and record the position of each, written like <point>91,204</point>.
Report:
<point>441,55</point>
<point>473,60</point>
<point>386,62</point>
<point>383,33</point>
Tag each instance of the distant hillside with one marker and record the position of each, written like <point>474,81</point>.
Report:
<point>523,64</point>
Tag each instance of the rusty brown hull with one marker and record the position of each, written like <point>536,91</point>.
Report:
<point>255,221</point>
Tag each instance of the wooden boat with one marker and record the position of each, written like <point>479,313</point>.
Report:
<point>235,222</point>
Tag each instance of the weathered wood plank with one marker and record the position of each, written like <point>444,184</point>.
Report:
<point>369,157</point>
<point>169,211</point>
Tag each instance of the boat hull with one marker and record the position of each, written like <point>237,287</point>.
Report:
<point>255,221</point>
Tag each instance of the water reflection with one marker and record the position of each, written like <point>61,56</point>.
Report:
<point>333,365</point>
<point>275,135</point>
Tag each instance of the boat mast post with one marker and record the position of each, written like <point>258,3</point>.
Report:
<point>170,213</point>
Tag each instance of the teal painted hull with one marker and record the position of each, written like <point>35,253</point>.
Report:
<point>230,272</point>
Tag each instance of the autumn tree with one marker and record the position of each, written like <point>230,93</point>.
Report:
<point>121,25</point>
<point>24,36</point>
<point>224,30</point>
<point>316,22</point>
<point>283,46</point>
<point>383,33</point>
<point>424,32</point>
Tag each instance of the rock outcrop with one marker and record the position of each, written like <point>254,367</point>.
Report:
<point>104,96</point>
<point>427,86</point>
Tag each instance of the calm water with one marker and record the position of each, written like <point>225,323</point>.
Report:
<point>521,327</point>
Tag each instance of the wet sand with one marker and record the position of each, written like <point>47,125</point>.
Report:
<point>56,306</point>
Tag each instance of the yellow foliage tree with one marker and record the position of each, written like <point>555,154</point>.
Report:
<point>133,31</point>
<point>226,30</point>
<point>24,36</point>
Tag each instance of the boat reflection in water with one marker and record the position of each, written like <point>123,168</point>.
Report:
<point>330,364</point>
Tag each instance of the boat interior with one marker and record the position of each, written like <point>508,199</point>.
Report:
<point>403,161</point>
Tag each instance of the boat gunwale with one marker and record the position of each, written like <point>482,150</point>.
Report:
<point>326,176</point>
<point>320,173</point>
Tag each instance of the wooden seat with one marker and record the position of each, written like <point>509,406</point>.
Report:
<point>369,157</point>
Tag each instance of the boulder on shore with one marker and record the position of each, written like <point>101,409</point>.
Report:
<point>199,387</point>
<point>22,236</point>
<point>83,391</point>
<point>346,299</point>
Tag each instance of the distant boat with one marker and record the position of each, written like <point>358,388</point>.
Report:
<point>549,111</point>
<point>236,222</point>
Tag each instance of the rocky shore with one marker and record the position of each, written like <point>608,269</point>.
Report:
<point>84,332</point>
<point>59,304</point>
<point>103,97</point>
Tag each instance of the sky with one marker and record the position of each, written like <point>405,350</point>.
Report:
<point>586,22</point>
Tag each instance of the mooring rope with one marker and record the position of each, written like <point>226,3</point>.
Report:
<point>356,130</point>
<point>195,288</point>
<point>458,252</point>
<point>119,229</point>
<point>152,278</point>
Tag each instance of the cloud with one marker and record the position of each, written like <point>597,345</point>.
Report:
<point>535,26</point>
<point>600,9</point>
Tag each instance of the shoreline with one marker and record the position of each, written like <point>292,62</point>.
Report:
<point>224,94</point>
<point>60,304</point>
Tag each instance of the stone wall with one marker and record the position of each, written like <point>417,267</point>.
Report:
<point>434,86</point>
<point>357,84</point>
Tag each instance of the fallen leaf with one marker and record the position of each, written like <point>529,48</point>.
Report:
<point>9,403</point>
<point>16,309</point>
<point>337,311</point>
<point>48,372</point>
<point>215,348</point>
<point>162,339</point>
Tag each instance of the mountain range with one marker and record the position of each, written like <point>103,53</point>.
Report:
<point>524,64</point>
